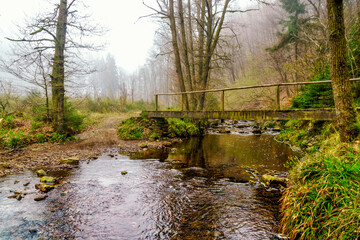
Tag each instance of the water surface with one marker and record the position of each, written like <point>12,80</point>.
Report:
<point>197,192</point>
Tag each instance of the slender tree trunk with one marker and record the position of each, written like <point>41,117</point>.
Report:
<point>185,49</point>
<point>201,44</point>
<point>58,74</point>
<point>345,109</point>
<point>47,103</point>
<point>191,42</point>
<point>212,39</point>
<point>177,54</point>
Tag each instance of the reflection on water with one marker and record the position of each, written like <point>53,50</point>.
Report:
<point>221,151</point>
<point>155,200</point>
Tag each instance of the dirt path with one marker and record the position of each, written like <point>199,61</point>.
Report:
<point>91,143</point>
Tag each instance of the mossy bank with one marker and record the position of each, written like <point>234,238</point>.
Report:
<point>145,128</point>
<point>322,200</point>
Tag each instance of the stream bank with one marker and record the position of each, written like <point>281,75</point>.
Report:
<point>321,201</point>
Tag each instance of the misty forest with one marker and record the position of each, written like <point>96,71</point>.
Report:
<point>250,109</point>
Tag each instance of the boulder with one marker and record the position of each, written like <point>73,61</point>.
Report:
<point>124,172</point>
<point>73,160</point>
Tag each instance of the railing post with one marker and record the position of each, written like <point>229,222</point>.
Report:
<point>156,102</point>
<point>278,97</point>
<point>222,100</point>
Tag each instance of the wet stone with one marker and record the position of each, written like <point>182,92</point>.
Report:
<point>47,179</point>
<point>40,173</point>
<point>26,184</point>
<point>44,187</point>
<point>73,160</point>
<point>40,197</point>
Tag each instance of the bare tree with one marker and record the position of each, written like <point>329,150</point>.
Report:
<point>60,34</point>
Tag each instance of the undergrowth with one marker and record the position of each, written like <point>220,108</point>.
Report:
<point>322,201</point>
<point>18,130</point>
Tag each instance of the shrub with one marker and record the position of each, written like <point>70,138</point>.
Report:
<point>73,119</point>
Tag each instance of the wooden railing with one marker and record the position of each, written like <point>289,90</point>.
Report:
<point>223,90</point>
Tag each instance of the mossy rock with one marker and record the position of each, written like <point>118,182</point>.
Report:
<point>40,173</point>
<point>44,187</point>
<point>73,160</point>
<point>270,180</point>
<point>46,179</point>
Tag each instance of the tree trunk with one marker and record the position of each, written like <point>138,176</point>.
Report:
<point>212,39</point>
<point>185,49</point>
<point>177,54</point>
<point>58,75</point>
<point>201,45</point>
<point>345,109</point>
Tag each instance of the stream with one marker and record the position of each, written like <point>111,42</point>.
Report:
<point>203,188</point>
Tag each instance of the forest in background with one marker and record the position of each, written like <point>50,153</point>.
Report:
<point>198,45</point>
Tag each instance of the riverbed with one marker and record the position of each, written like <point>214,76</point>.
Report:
<point>203,188</point>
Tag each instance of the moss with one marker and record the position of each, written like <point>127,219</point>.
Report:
<point>47,179</point>
<point>154,129</point>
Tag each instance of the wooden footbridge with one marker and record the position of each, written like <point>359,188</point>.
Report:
<point>273,114</point>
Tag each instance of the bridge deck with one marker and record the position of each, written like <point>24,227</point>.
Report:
<point>308,114</point>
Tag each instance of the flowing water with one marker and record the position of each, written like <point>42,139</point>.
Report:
<point>206,189</point>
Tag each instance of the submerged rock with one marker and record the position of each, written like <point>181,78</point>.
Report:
<point>195,171</point>
<point>73,160</point>
<point>40,197</point>
<point>44,187</point>
<point>40,173</point>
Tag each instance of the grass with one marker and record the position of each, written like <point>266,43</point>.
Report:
<point>322,201</point>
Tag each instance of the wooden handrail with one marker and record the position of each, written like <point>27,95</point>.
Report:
<point>222,90</point>
<point>255,86</point>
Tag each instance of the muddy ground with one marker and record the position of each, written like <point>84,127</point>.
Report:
<point>91,143</point>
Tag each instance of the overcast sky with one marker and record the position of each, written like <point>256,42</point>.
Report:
<point>128,39</point>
